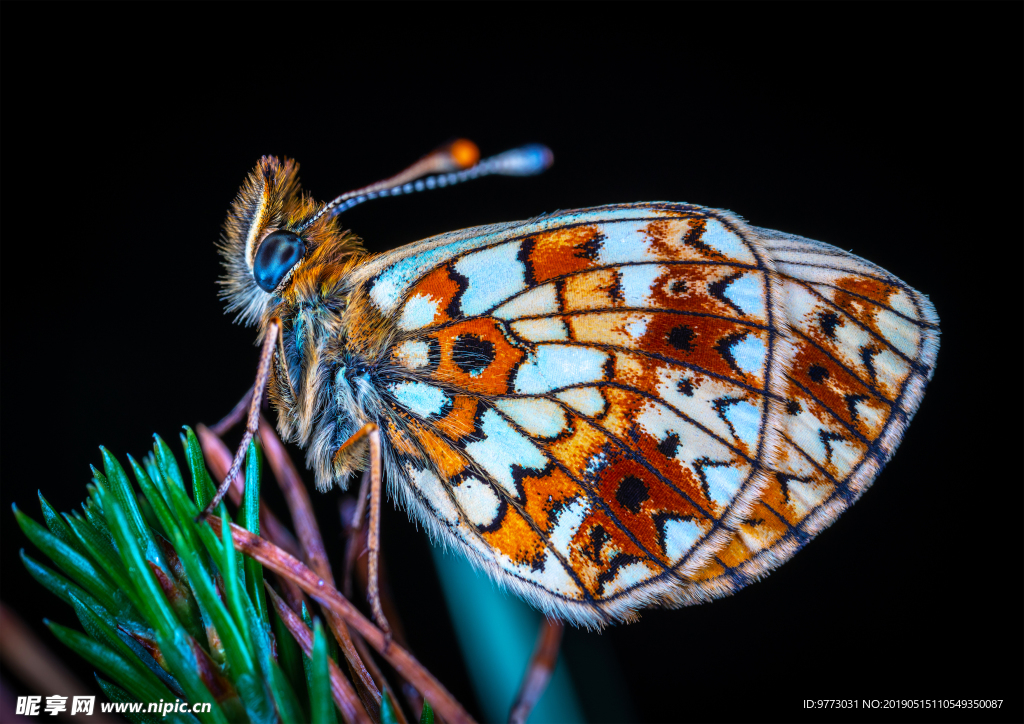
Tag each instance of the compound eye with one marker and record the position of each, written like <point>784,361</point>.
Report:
<point>278,253</point>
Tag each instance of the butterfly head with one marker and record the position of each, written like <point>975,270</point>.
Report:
<point>273,238</point>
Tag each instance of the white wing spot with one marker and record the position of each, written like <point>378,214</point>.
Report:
<point>418,312</point>
<point>587,400</point>
<point>478,500</point>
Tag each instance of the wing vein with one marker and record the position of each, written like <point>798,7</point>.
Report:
<point>912,362</point>
<point>868,385</point>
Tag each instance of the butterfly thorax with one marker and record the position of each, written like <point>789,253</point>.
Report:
<point>326,368</point>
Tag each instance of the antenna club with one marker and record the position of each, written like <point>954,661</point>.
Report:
<point>464,153</point>
<point>524,161</point>
<point>542,156</point>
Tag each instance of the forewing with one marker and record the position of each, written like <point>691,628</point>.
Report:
<point>586,403</point>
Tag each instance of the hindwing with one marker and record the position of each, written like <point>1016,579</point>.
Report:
<point>650,403</point>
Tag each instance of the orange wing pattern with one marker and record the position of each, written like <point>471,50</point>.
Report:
<point>635,405</point>
<point>865,346</point>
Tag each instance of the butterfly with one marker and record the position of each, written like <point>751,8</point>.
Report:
<point>605,409</point>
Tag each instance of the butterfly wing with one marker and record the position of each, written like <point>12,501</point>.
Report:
<point>863,348</point>
<point>592,405</point>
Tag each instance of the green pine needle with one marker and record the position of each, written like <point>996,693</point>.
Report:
<point>427,715</point>
<point>387,709</point>
<point>170,610</point>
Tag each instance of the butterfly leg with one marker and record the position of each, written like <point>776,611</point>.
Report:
<point>252,424</point>
<point>372,434</point>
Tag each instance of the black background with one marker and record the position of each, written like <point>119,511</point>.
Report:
<point>894,131</point>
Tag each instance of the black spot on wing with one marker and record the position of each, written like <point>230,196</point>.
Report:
<point>471,354</point>
<point>615,289</point>
<point>682,337</point>
<point>590,248</point>
<point>818,373</point>
<point>631,493</point>
<point>669,446</point>
<point>598,537</point>
<point>829,321</point>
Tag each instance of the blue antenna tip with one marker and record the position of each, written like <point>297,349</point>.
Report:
<point>525,160</point>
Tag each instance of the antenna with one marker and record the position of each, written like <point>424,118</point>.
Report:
<point>449,165</point>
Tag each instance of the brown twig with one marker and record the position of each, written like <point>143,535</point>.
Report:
<point>344,695</point>
<point>33,663</point>
<point>378,675</point>
<point>370,433</point>
<point>355,562</point>
<point>403,662</point>
<point>387,601</point>
<point>352,512</point>
<point>312,543</point>
<point>297,498</point>
<point>538,673</point>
